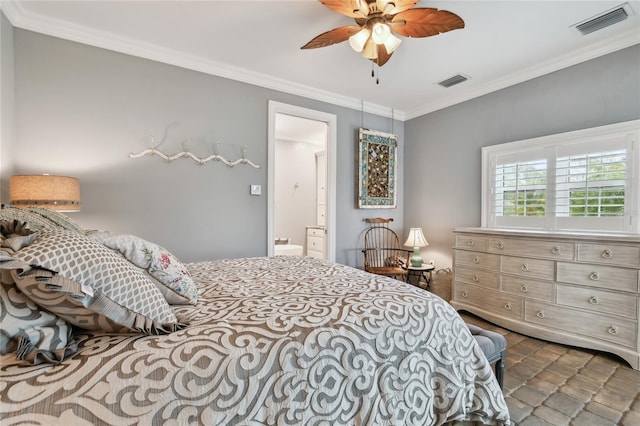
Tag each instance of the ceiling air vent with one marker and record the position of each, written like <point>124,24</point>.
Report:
<point>452,81</point>
<point>604,20</point>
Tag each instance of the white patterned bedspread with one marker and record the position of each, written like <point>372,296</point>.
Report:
<point>282,340</point>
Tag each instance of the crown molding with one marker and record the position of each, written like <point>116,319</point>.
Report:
<point>23,19</point>
<point>610,45</point>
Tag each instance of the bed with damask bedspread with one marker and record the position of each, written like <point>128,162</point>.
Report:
<point>270,340</point>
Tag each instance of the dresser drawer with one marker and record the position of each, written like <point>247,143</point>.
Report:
<point>598,300</point>
<point>481,278</point>
<point>595,325</point>
<point>472,242</point>
<point>315,232</point>
<point>532,248</point>
<point>609,254</point>
<point>490,300</point>
<point>534,289</point>
<point>477,260</point>
<point>603,276</point>
<point>530,268</point>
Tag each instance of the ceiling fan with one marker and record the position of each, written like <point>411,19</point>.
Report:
<point>378,23</point>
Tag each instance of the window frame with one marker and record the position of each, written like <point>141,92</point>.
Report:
<point>552,147</point>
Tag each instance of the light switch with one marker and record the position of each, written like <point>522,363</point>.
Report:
<point>256,189</point>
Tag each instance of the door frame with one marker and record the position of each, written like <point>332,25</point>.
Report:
<point>331,144</point>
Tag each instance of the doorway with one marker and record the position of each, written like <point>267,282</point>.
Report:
<point>321,226</point>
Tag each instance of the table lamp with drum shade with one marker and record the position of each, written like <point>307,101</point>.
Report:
<point>61,193</point>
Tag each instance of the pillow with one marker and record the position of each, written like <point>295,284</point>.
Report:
<point>32,220</point>
<point>91,286</point>
<point>36,336</point>
<point>14,235</point>
<point>59,219</point>
<point>172,276</point>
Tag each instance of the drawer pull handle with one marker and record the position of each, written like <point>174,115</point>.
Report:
<point>555,250</point>
<point>594,300</point>
<point>500,245</point>
<point>465,294</point>
<point>607,254</point>
<point>476,260</point>
<point>540,314</point>
<point>595,276</point>
<point>476,278</point>
<point>613,330</point>
<point>470,242</point>
<point>524,267</point>
<point>524,288</point>
<point>507,306</point>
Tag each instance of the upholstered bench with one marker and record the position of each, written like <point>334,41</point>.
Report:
<point>494,346</point>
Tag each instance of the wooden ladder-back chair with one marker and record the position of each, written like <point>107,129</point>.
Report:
<point>383,254</point>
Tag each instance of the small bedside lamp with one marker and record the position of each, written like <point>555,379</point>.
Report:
<point>51,192</point>
<point>416,240</point>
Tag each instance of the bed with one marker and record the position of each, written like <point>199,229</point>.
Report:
<point>283,340</point>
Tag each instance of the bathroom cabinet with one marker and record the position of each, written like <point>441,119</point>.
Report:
<point>316,241</point>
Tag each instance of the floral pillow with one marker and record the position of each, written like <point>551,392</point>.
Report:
<point>91,286</point>
<point>34,335</point>
<point>173,278</point>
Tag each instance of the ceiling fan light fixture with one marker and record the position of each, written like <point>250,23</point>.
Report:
<point>370,50</point>
<point>384,4</point>
<point>363,8</point>
<point>380,23</point>
<point>392,43</point>
<point>358,40</point>
<point>380,33</point>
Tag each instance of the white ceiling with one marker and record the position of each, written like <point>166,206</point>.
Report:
<point>503,43</point>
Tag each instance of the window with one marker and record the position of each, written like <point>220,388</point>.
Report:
<point>520,188</point>
<point>581,180</point>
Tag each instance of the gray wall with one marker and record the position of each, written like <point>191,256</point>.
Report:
<point>81,110</point>
<point>7,100</point>
<point>443,149</point>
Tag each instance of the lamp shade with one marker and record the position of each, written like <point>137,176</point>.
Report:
<point>358,40</point>
<point>59,193</point>
<point>416,238</point>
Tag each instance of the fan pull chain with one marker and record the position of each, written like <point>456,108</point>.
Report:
<point>373,73</point>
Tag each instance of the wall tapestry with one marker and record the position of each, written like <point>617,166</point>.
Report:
<point>377,175</point>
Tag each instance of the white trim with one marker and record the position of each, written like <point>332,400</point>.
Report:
<point>602,48</point>
<point>331,149</point>
<point>21,18</point>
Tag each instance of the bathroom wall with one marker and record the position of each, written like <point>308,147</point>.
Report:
<point>295,194</point>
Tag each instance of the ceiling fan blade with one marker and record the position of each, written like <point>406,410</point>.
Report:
<point>350,8</point>
<point>397,6</point>
<point>383,56</point>
<point>425,22</point>
<point>336,35</point>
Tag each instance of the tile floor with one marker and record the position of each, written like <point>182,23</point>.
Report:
<point>552,384</point>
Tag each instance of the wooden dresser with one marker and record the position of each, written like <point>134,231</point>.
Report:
<point>579,289</point>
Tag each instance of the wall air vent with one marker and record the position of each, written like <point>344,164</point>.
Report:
<point>452,81</point>
<point>604,20</point>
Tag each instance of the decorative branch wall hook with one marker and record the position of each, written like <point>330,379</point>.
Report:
<point>198,160</point>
